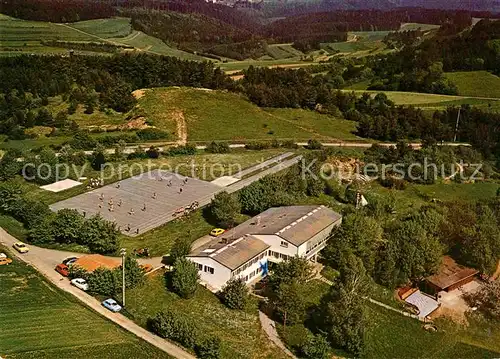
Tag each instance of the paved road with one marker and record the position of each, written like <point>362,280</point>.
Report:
<point>44,260</point>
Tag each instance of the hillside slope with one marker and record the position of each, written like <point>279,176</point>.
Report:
<point>218,115</point>
<point>98,36</point>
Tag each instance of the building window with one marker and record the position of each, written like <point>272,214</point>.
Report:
<point>200,266</point>
<point>284,244</point>
<point>209,270</point>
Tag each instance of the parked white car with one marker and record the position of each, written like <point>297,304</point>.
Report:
<point>3,256</point>
<point>80,283</point>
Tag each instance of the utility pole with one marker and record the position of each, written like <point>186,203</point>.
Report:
<point>456,126</point>
<point>123,253</point>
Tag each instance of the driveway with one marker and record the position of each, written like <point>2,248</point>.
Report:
<point>44,260</point>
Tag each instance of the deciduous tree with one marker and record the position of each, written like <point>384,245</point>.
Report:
<point>185,278</point>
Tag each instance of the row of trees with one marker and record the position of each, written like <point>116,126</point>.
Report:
<point>68,226</point>
<point>64,227</point>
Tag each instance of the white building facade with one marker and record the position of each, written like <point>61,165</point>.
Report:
<point>275,235</point>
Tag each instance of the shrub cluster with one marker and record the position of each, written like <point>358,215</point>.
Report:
<point>174,326</point>
<point>218,147</point>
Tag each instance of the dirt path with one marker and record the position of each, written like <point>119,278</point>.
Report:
<point>43,260</point>
<point>269,326</point>
<point>496,275</point>
<point>180,121</point>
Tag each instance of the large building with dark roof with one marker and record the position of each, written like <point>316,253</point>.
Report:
<point>273,235</point>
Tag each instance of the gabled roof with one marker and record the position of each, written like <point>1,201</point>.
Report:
<point>449,273</point>
<point>231,254</point>
<point>295,224</point>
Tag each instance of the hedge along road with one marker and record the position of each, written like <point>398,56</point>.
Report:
<point>45,260</point>
<point>162,146</point>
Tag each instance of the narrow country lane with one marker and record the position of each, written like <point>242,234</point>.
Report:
<point>45,260</point>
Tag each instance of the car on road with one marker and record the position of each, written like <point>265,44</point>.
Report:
<point>69,261</point>
<point>5,261</point>
<point>80,283</point>
<point>112,305</point>
<point>21,247</point>
<point>62,269</point>
<point>217,232</point>
<point>3,255</point>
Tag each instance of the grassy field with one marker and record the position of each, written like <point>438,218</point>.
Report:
<point>318,125</point>
<point>240,331</point>
<point>476,83</point>
<point>393,335</point>
<point>105,28</point>
<point>218,115</point>
<point>151,44</point>
<point>39,321</point>
<point>415,26</point>
<point>414,196</point>
<point>19,36</point>
<point>431,101</point>
<point>283,51</point>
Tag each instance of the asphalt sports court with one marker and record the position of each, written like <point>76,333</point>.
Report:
<point>141,203</point>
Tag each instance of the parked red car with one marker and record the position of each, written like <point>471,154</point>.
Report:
<point>62,269</point>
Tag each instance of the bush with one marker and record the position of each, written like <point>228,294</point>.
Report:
<point>30,212</point>
<point>99,235</point>
<point>76,271</point>
<point>42,233</point>
<point>153,152</point>
<point>225,208</point>
<point>185,278</point>
<point>235,294</point>
<point>181,150</point>
<point>289,144</point>
<point>257,145</point>
<point>316,347</point>
<point>67,226</point>
<point>152,134</point>
<point>170,325</point>
<point>314,145</point>
<point>209,348</point>
<point>104,281</point>
<point>180,249</point>
<point>83,141</point>
<point>394,183</point>
<point>218,147</point>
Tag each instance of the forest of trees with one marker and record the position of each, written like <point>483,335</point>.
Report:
<point>421,68</point>
<point>206,28</point>
<point>108,82</point>
<point>57,10</point>
<point>94,81</point>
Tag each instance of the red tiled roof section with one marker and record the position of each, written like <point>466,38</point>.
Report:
<point>93,261</point>
<point>450,272</point>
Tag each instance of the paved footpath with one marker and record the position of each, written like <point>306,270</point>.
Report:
<point>45,260</point>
